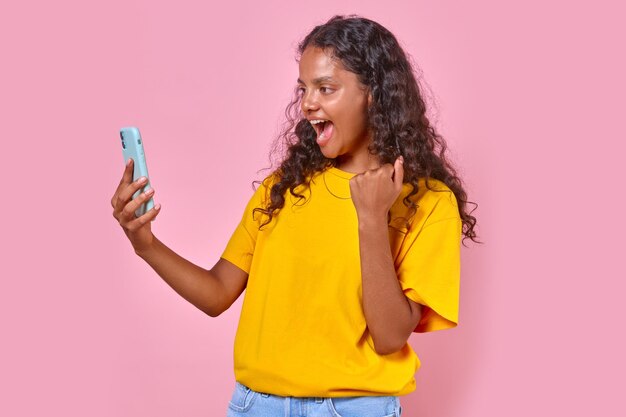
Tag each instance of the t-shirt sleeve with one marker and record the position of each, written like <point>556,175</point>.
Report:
<point>240,248</point>
<point>429,272</point>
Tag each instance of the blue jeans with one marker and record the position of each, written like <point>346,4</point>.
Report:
<point>246,402</point>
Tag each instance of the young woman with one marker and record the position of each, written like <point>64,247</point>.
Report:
<point>345,249</point>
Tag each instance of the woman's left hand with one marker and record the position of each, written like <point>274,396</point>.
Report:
<point>374,191</point>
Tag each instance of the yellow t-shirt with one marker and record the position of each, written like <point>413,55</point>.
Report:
<point>302,331</point>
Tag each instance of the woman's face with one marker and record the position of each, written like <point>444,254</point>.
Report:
<point>335,96</point>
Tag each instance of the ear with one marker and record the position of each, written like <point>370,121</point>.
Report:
<point>369,99</point>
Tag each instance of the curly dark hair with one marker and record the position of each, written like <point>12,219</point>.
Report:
<point>397,118</point>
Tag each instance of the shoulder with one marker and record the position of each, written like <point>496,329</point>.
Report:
<point>431,193</point>
<point>438,195</point>
<point>264,186</point>
<point>435,202</point>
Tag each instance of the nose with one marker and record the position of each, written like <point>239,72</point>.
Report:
<point>309,103</point>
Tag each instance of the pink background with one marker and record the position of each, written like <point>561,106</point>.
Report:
<point>527,97</point>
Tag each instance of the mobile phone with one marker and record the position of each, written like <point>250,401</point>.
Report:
<point>132,147</point>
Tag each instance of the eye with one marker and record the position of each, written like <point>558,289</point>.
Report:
<point>300,90</point>
<point>326,90</point>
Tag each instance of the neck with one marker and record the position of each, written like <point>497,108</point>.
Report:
<point>357,165</point>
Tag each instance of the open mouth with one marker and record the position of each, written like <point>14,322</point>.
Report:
<point>323,129</point>
<point>318,125</point>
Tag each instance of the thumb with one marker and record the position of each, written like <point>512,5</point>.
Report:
<point>398,176</point>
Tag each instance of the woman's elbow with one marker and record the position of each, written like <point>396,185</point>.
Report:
<point>388,348</point>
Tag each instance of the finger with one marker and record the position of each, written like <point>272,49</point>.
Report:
<point>148,216</point>
<point>398,176</point>
<point>127,178</point>
<point>131,207</point>
<point>126,194</point>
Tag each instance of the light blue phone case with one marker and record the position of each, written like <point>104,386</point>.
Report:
<point>132,147</point>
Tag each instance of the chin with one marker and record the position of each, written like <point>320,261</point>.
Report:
<point>328,153</point>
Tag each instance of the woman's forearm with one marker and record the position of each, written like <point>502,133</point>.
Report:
<point>386,308</point>
<point>197,285</point>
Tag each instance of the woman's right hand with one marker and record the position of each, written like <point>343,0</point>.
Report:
<point>137,229</point>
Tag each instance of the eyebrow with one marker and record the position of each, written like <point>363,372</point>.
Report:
<point>318,80</point>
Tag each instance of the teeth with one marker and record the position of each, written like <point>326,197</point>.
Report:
<point>316,122</point>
